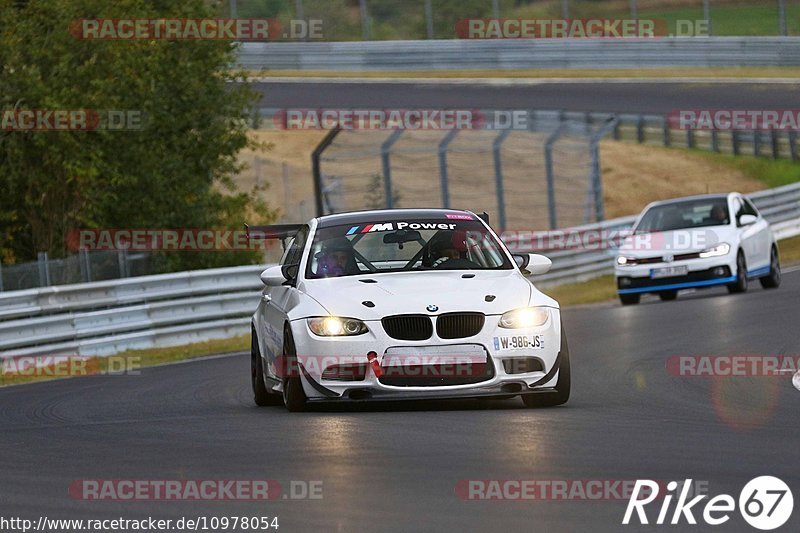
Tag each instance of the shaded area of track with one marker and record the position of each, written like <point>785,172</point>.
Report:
<point>641,97</point>
<point>395,467</point>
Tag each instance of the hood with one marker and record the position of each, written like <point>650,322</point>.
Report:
<point>680,241</point>
<point>412,292</point>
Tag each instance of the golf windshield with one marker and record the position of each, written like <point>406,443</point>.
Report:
<point>396,246</point>
<point>686,214</point>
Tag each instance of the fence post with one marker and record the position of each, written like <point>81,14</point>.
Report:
<point>364,20</point>
<point>443,166</point>
<point>773,139</point>
<point>86,268</point>
<point>565,9</point>
<point>690,138</point>
<point>233,9</point>
<point>714,140</point>
<point>122,260</point>
<point>498,176</point>
<point>548,166</point>
<point>707,16</point>
<point>782,18</point>
<point>735,141</point>
<point>634,10</point>
<point>316,169</point>
<point>756,143</point>
<point>596,179</point>
<point>429,18</point>
<point>666,132</point>
<point>44,269</point>
<point>386,150</point>
<point>793,144</point>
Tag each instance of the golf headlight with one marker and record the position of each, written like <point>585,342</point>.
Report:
<point>334,326</point>
<point>626,261</point>
<point>718,250</point>
<point>527,317</point>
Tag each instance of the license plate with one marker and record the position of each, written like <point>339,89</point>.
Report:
<point>668,272</point>
<point>519,342</point>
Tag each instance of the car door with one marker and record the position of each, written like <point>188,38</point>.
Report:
<point>275,300</point>
<point>762,240</point>
<point>751,235</point>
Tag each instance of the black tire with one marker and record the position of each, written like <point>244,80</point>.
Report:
<point>740,285</point>
<point>563,385</point>
<point>630,299</point>
<point>773,279</point>
<point>261,395</point>
<point>294,397</point>
<point>668,296</point>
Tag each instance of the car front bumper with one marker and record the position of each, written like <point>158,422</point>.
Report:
<point>501,372</point>
<point>701,273</point>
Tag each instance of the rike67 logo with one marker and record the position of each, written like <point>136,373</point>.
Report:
<point>765,503</point>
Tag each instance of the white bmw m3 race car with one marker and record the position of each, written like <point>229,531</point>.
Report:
<point>697,242</point>
<point>404,304</point>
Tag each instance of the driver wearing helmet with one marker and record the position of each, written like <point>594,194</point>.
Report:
<point>448,246</point>
<point>336,258</point>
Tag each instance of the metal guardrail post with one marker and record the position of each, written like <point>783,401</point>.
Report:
<point>44,269</point>
<point>690,138</point>
<point>429,19</point>
<point>793,144</point>
<point>756,143</point>
<point>782,27</point>
<point>667,133</point>
<point>714,141</point>
<point>617,133</point>
<point>386,150</point>
<point>640,129</point>
<point>316,169</point>
<point>86,267</point>
<point>735,142</point>
<point>596,179</point>
<point>498,176</point>
<point>443,166</point>
<point>707,16</point>
<point>548,166</point>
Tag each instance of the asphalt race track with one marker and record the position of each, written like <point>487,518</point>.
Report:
<point>576,95</point>
<point>394,467</point>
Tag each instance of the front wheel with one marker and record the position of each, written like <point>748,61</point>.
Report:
<point>773,279</point>
<point>294,397</point>
<point>563,385</point>
<point>629,299</point>
<point>740,285</point>
<point>667,296</point>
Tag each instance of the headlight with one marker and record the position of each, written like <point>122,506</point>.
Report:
<point>527,317</point>
<point>626,261</point>
<point>334,326</point>
<point>718,250</point>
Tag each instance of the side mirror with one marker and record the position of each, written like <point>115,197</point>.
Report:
<point>746,220</point>
<point>536,264</point>
<point>273,276</point>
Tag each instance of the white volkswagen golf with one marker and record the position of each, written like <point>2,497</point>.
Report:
<point>404,304</point>
<point>697,242</point>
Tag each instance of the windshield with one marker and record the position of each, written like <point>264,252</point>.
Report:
<point>398,246</point>
<point>686,214</point>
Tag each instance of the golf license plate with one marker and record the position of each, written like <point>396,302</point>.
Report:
<point>668,272</point>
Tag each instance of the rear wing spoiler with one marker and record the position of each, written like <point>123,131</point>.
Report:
<point>272,232</point>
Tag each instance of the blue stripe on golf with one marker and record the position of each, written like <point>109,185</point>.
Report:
<point>687,285</point>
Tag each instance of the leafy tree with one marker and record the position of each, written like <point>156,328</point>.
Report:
<point>174,172</point>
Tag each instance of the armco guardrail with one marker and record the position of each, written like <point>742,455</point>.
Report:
<point>499,54</point>
<point>108,317</point>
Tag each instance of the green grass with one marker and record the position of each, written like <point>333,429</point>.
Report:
<point>733,20</point>
<point>592,291</point>
<point>133,360</point>
<point>772,172</point>
<point>789,250</point>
